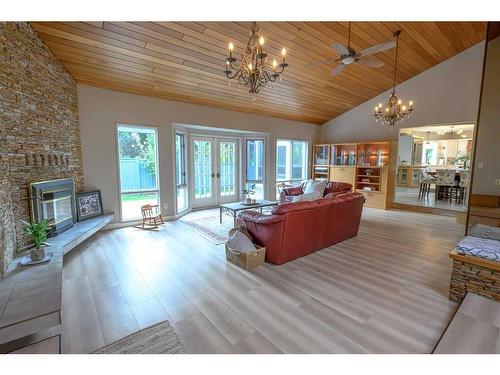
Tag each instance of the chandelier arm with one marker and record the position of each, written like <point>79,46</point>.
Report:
<point>228,74</point>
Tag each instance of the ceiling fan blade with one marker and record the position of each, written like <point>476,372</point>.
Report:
<point>370,61</point>
<point>377,48</point>
<point>337,69</point>
<point>341,50</point>
<point>316,63</point>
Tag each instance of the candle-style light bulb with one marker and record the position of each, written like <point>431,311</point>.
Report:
<point>231,46</point>
<point>404,108</point>
<point>411,103</point>
<point>399,101</point>
<point>261,41</point>
<point>283,52</point>
<point>275,64</point>
<point>380,105</point>
<point>250,67</point>
<point>376,109</point>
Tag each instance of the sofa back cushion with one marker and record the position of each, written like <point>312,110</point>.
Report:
<point>320,224</point>
<point>336,187</point>
<point>306,197</point>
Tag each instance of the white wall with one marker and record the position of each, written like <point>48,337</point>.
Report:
<point>446,93</point>
<point>100,110</point>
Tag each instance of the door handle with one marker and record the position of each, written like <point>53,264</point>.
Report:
<point>218,175</point>
<point>213,175</point>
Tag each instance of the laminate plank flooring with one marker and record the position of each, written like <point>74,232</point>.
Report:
<point>475,329</point>
<point>384,291</point>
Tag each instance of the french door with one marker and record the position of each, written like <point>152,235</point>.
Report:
<point>214,163</point>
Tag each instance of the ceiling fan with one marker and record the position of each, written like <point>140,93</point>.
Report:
<point>348,55</point>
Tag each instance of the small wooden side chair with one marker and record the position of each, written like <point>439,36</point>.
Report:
<point>151,215</point>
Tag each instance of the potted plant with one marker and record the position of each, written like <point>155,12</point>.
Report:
<point>38,232</point>
<point>463,158</point>
<point>249,191</point>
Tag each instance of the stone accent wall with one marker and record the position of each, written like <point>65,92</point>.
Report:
<point>466,277</point>
<point>7,234</point>
<point>39,130</point>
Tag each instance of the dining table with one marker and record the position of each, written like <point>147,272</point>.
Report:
<point>434,174</point>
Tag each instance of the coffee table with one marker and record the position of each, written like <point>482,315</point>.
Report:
<point>232,209</point>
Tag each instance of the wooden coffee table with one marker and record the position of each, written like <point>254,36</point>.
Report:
<point>232,209</point>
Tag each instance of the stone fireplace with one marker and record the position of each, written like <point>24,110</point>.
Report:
<point>54,201</point>
<point>39,133</point>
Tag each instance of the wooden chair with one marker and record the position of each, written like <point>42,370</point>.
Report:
<point>151,215</point>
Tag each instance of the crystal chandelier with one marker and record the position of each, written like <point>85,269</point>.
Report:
<point>253,70</point>
<point>394,112</point>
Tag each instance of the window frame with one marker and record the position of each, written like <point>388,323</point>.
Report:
<point>117,149</point>
<point>185,184</point>
<point>244,155</point>
<point>306,161</point>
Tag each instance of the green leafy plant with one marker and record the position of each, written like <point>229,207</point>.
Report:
<point>463,158</point>
<point>249,189</point>
<point>37,231</point>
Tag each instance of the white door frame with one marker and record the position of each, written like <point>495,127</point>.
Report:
<point>215,197</point>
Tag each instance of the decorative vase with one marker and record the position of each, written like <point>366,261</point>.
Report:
<point>37,254</point>
<point>248,200</point>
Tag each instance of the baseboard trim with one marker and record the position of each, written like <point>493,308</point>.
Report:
<point>426,210</point>
<point>134,223</point>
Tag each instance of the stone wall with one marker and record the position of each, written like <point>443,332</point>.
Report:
<point>467,277</point>
<point>39,130</point>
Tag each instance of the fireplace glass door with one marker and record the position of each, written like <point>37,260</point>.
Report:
<point>57,206</point>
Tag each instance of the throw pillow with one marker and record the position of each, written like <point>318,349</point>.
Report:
<point>306,197</point>
<point>313,186</point>
<point>240,242</point>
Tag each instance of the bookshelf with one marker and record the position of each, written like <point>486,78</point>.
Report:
<point>321,160</point>
<point>369,166</point>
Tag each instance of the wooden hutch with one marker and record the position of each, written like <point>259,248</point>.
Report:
<point>369,166</point>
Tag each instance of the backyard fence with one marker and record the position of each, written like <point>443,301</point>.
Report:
<point>135,175</point>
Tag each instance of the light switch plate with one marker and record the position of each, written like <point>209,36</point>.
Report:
<point>480,164</point>
<point>497,181</point>
<point>165,206</point>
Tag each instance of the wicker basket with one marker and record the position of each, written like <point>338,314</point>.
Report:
<point>247,261</point>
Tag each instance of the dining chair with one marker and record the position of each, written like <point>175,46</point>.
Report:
<point>445,183</point>
<point>151,216</point>
<point>425,181</point>
<point>464,184</point>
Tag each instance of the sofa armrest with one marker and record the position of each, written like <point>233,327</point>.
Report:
<point>290,192</point>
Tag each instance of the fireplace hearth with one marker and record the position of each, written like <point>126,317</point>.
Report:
<point>55,201</point>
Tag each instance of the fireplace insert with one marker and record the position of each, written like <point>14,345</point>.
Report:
<point>55,201</point>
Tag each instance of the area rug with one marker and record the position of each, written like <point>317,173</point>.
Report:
<point>206,224</point>
<point>158,339</point>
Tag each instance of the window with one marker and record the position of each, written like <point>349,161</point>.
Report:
<point>138,167</point>
<point>255,167</point>
<point>180,172</point>
<point>291,160</point>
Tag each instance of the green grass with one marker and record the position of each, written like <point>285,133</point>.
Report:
<point>137,197</point>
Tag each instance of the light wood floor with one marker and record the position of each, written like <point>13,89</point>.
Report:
<point>384,291</point>
<point>475,329</point>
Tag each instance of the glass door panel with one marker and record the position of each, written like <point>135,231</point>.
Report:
<point>203,172</point>
<point>227,171</point>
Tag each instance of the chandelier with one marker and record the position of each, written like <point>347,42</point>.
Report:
<point>394,111</point>
<point>253,70</point>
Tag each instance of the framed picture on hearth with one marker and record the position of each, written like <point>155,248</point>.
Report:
<point>88,205</point>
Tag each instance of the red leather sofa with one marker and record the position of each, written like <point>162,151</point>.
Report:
<point>332,188</point>
<point>298,229</point>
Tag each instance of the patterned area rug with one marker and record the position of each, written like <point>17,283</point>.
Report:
<point>158,339</point>
<point>206,224</point>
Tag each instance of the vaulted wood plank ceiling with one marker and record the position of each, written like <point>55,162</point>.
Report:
<point>184,61</point>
